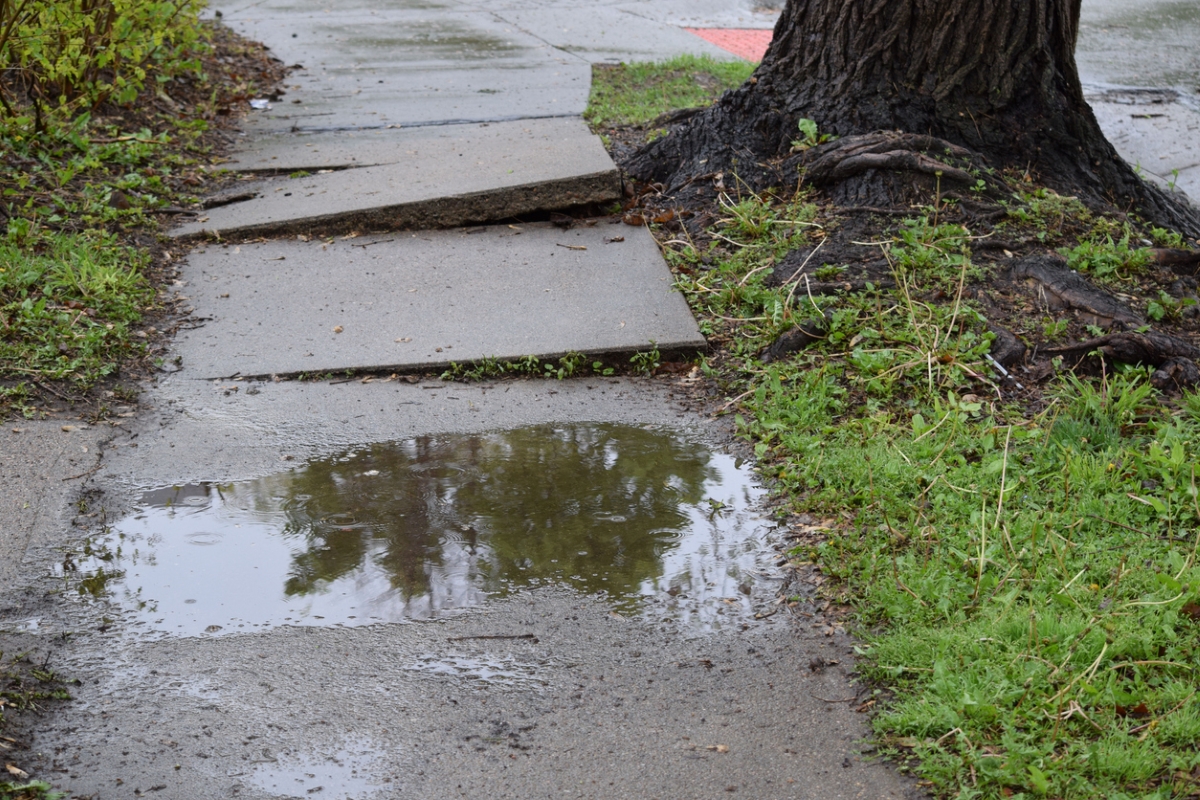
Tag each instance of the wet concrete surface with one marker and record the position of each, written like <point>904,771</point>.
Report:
<point>42,464</point>
<point>1140,66</point>
<point>595,706</point>
<point>1147,43</point>
<point>415,301</point>
<point>440,177</point>
<point>585,697</point>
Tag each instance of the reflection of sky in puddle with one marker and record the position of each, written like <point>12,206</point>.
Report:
<point>429,526</point>
<point>343,775</point>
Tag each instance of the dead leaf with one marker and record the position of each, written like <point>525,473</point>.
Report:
<point>1191,610</point>
<point>1140,711</point>
<point>633,218</point>
<point>572,246</point>
<point>665,216</point>
<point>614,239</point>
<point>20,773</point>
<point>718,748</point>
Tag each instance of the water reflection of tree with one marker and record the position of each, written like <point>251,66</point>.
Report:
<point>576,503</point>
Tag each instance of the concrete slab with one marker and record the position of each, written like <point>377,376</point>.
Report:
<point>41,464</point>
<point>600,33</point>
<point>425,178</point>
<point>760,14</point>
<point>419,301</point>
<point>407,64</point>
<point>1140,43</point>
<point>1156,133</point>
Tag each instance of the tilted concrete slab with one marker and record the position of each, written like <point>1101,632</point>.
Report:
<point>416,301</point>
<point>432,178</point>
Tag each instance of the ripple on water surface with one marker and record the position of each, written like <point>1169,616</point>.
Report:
<point>416,529</point>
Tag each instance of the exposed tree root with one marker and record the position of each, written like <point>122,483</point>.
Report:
<point>1060,288</point>
<point>1007,349</point>
<point>1177,374</point>
<point>1130,347</point>
<point>795,339</point>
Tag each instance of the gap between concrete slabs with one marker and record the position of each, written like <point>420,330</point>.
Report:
<point>423,178</point>
<point>418,301</point>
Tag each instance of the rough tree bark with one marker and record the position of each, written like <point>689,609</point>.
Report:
<point>998,78</point>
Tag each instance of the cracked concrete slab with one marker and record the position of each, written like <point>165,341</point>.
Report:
<point>419,301</point>
<point>424,178</point>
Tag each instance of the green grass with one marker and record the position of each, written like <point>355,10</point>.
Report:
<point>80,191</point>
<point>637,94</point>
<point>1024,579</point>
<point>67,304</point>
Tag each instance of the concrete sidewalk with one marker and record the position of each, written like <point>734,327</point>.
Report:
<point>414,114</point>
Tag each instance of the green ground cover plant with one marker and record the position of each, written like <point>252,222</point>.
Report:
<point>107,117</point>
<point>1024,576</point>
<point>637,94</point>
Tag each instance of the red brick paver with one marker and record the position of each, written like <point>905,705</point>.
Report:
<point>742,42</point>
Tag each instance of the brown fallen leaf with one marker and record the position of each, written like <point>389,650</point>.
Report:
<point>1140,711</point>
<point>20,773</point>
<point>614,239</point>
<point>634,219</point>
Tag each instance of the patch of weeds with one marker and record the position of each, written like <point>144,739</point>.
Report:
<point>1104,258</point>
<point>645,362</point>
<point>571,365</point>
<point>1167,307</point>
<point>933,250</point>
<point>101,130</point>
<point>31,790</point>
<point>1024,578</point>
<point>1047,212</point>
<point>1054,329</point>
<point>1165,238</point>
<point>810,136</point>
<point>67,305</point>
<point>638,93</point>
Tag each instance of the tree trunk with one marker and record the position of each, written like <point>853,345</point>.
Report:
<point>998,78</point>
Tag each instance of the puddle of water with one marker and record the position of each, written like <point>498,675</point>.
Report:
<point>344,775</point>
<point>429,526</point>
